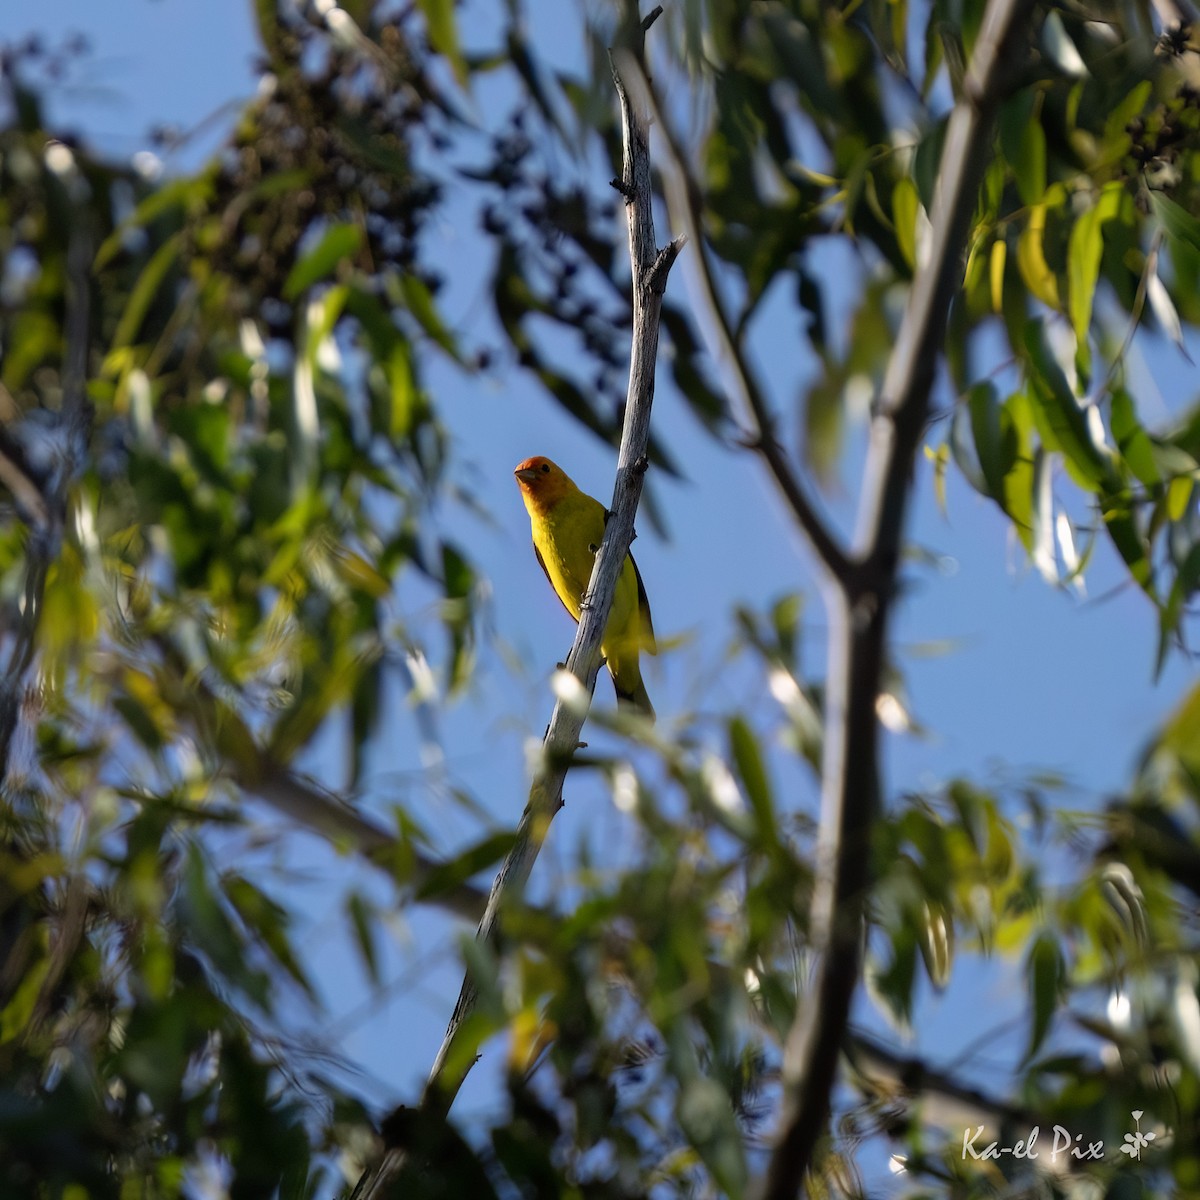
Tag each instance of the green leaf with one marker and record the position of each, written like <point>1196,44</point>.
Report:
<point>268,921</point>
<point>906,206</point>
<point>1179,495</point>
<point>214,933</point>
<point>1181,734</point>
<point>1084,251</point>
<point>1180,225</point>
<point>189,193</point>
<point>32,337</point>
<point>1043,516</point>
<point>403,390</point>
<point>1116,124</point>
<point>937,943</point>
<point>18,1012</point>
<point>144,291</point>
<point>995,439</point>
<point>1024,144</point>
<point>443,34</point>
<point>690,366</point>
<point>448,875</point>
<point>1187,578</point>
<point>140,722</point>
<point>1039,278</point>
<point>1131,544</point>
<point>339,242</point>
<point>785,618</point>
<point>374,149</point>
<point>893,984</point>
<point>154,1053</point>
<point>266,14</point>
<point>961,448</point>
<point>926,162</point>
<point>1018,482</point>
<point>419,300</point>
<point>747,758</point>
<point>1046,971</point>
<point>1133,442</point>
<point>364,933</point>
<point>456,572</point>
<point>824,424</point>
<point>1060,420</point>
<point>997,261</point>
<point>526,1156</point>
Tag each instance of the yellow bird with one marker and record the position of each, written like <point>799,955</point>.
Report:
<point>567,529</point>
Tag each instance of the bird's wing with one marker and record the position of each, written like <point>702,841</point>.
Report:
<point>644,610</point>
<point>643,599</point>
<point>542,564</point>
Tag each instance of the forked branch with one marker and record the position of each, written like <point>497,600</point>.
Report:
<point>859,617</point>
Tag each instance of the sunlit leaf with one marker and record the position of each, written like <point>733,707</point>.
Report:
<point>1132,440</point>
<point>1031,258</point>
<point>443,34</point>
<point>996,263</point>
<point>337,244</point>
<point>1060,418</point>
<point>905,208</point>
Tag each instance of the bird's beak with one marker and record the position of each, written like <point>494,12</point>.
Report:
<point>525,474</point>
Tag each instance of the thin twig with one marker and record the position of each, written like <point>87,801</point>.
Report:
<point>22,482</point>
<point>306,802</point>
<point>311,806</point>
<point>754,405</point>
<point>859,618</point>
<point>650,267</point>
<point>945,1101</point>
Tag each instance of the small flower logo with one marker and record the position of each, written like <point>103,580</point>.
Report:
<point>1138,1141</point>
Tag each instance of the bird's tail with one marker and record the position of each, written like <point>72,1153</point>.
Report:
<point>636,700</point>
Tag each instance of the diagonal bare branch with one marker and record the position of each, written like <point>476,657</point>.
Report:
<point>309,805</point>
<point>303,801</point>
<point>753,403</point>
<point>859,617</point>
<point>650,267</point>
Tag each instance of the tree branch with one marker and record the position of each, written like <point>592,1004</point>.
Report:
<point>329,815</point>
<point>945,1101</point>
<point>650,267</point>
<point>303,801</point>
<point>755,407</point>
<point>859,615</point>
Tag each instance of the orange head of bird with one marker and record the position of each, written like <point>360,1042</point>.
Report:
<point>542,482</point>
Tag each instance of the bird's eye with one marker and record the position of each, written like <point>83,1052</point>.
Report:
<point>545,468</point>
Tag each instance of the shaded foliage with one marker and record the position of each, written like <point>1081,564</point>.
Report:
<point>263,462</point>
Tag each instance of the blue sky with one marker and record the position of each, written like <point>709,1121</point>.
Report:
<point>1034,679</point>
